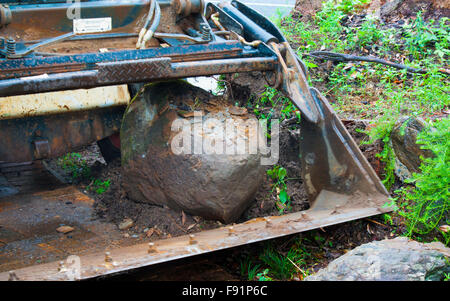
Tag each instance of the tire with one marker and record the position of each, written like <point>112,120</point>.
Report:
<point>109,148</point>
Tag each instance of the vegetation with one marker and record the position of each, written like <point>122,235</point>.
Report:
<point>277,262</point>
<point>278,175</point>
<point>363,90</point>
<point>79,170</point>
<point>75,166</point>
<point>426,206</point>
<point>99,186</point>
<point>371,91</point>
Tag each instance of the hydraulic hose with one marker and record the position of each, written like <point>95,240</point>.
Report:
<point>149,34</point>
<point>143,31</point>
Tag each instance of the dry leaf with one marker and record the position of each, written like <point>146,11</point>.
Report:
<point>183,217</point>
<point>444,228</point>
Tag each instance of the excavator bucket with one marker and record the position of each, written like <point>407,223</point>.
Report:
<point>108,45</point>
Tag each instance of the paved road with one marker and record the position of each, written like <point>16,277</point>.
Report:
<point>269,8</point>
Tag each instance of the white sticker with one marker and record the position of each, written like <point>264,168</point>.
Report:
<point>92,25</point>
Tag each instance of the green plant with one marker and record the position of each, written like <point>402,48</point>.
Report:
<point>278,175</point>
<point>264,276</point>
<point>77,167</point>
<point>248,270</point>
<point>273,98</point>
<point>99,186</point>
<point>284,265</point>
<point>423,38</point>
<point>382,131</point>
<point>428,205</point>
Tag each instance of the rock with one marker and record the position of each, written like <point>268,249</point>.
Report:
<point>65,229</point>
<point>404,137</point>
<point>390,7</point>
<point>126,224</point>
<point>398,259</point>
<point>394,10</point>
<point>167,166</point>
<point>307,9</point>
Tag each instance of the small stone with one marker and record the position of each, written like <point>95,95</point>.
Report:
<point>65,229</point>
<point>238,111</point>
<point>126,224</point>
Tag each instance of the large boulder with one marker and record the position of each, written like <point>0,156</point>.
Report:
<point>398,259</point>
<point>169,156</point>
<point>404,143</point>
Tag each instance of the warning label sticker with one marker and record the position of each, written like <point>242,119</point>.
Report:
<point>92,25</point>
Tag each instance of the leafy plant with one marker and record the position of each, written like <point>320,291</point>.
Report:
<point>99,186</point>
<point>382,131</point>
<point>278,175</point>
<point>428,205</point>
<point>77,167</point>
<point>264,276</point>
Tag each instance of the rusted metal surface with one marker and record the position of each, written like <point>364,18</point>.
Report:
<point>127,16</point>
<point>90,79</point>
<point>49,65</point>
<point>64,132</point>
<point>28,226</point>
<point>22,249</point>
<point>32,249</point>
<point>63,102</point>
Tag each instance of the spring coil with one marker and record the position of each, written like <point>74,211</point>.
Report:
<point>10,46</point>
<point>205,31</point>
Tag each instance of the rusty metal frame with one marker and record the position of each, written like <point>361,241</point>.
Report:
<point>128,258</point>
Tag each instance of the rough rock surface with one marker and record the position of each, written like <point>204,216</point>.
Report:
<point>394,10</point>
<point>398,259</point>
<point>307,9</point>
<point>198,181</point>
<point>404,137</point>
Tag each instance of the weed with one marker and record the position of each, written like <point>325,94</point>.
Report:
<point>264,276</point>
<point>382,131</point>
<point>428,205</point>
<point>99,186</point>
<point>248,270</point>
<point>286,265</point>
<point>77,167</point>
<point>278,175</point>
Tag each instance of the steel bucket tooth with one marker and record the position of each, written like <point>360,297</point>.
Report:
<point>335,171</point>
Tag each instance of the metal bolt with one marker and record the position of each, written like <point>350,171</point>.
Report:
<point>108,257</point>
<point>192,240</point>
<point>61,266</point>
<point>13,276</point>
<point>268,222</point>
<point>151,248</point>
<point>231,230</point>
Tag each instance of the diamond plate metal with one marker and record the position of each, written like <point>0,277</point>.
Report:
<point>129,71</point>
